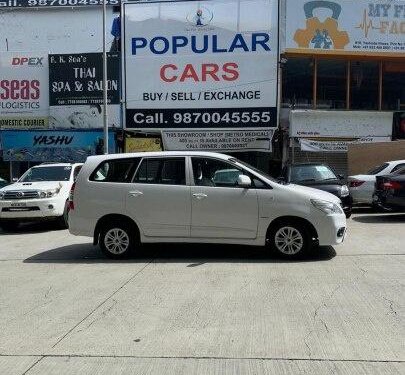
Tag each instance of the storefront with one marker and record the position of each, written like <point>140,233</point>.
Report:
<point>343,56</point>
<point>23,149</point>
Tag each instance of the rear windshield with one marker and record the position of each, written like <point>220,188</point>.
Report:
<point>378,169</point>
<point>57,173</point>
<point>302,173</point>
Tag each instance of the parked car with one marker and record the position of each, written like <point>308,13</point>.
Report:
<point>124,200</point>
<point>319,176</point>
<point>390,191</point>
<point>362,186</point>
<point>40,194</point>
<point>3,183</point>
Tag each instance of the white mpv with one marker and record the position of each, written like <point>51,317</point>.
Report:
<point>123,200</point>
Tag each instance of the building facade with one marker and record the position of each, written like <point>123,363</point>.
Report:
<point>341,73</point>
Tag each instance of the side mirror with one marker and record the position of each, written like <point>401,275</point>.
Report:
<point>244,181</point>
<point>281,179</point>
<point>341,177</point>
<point>14,179</point>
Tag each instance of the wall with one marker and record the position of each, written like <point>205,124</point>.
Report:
<point>363,157</point>
<point>70,30</point>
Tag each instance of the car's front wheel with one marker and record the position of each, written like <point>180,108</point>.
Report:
<point>118,240</point>
<point>290,240</point>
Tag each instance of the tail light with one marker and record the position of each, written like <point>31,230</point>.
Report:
<point>391,185</point>
<point>71,195</point>
<point>356,183</point>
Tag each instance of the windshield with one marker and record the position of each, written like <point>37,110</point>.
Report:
<point>234,160</point>
<point>57,173</point>
<point>378,169</point>
<point>301,173</point>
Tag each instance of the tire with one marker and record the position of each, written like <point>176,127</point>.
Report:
<point>63,221</point>
<point>118,240</point>
<point>9,226</point>
<point>289,240</point>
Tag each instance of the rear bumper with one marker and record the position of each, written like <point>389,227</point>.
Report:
<point>387,202</point>
<point>361,196</point>
<point>79,226</point>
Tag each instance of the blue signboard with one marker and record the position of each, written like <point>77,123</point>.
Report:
<point>57,146</point>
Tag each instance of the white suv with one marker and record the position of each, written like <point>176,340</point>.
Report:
<point>41,193</point>
<point>126,199</point>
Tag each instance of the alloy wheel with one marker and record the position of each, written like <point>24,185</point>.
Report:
<point>289,240</point>
<point>116,241</point>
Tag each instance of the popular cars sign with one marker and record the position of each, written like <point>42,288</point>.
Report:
<point>206,64</point>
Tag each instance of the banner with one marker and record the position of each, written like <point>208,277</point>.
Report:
<point>218,140</point>
<point>340,124</point>
<point>205,64</point>
<point>364,27</point>
<point>143,144</point>
<point>24,100</point>
<point>336,145</point>
<point>54,3</point>
<point>75,91</point>
<point>43,146</point>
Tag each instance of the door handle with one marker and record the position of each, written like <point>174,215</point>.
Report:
<point>200,196</point>
<point>135,193</point>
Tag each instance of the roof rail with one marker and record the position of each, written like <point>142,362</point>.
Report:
<point>54,162</point>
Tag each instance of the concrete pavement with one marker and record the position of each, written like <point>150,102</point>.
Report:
<point>187,309</point>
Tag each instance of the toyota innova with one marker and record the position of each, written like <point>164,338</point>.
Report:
<point>124,200</point>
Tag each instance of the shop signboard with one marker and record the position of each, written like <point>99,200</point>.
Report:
<point>364,27</point>
<point>342,145</point>
<point>76,91</point>
<point>64,146</point>
<point>218,140</point>
<point>340,124</point>
<point>200,65</point>
<point>24,100</point>
<point>55,3</point>
<point>146,144</point>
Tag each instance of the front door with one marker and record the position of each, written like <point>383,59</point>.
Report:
<point>220,208</point>
<point>159,198</point>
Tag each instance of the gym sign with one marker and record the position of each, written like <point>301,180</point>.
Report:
<point>346,27</point>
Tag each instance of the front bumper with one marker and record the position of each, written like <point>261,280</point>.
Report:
<point>332,229</point>
<point>31,209</point>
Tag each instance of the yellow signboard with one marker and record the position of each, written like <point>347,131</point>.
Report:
<point>142,144</point>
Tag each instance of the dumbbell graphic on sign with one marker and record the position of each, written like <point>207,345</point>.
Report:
<point>321,35</point>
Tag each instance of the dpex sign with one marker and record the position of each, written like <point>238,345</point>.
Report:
<point>206,64</point>
<point>24,98</point>
<point>28,61</point>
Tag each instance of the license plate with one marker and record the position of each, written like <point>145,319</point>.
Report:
<point>18,204</point>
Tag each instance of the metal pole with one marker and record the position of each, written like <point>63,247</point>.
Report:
<point>105,96</point>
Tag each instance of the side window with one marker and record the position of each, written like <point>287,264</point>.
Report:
<point>212,172</point>
<point>397,167</point>
<point>162,171</point>
<point>119,170</point>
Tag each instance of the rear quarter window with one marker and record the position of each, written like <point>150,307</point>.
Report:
<point>115,170</point>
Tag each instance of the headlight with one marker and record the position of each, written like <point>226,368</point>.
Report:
<point>48,193</point>
<point>327,207</point>
<point>344,191</point>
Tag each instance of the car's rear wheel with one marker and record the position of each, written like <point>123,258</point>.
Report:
<point>118,240</point>
<point>289,239</point>
<point>9,226</point>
